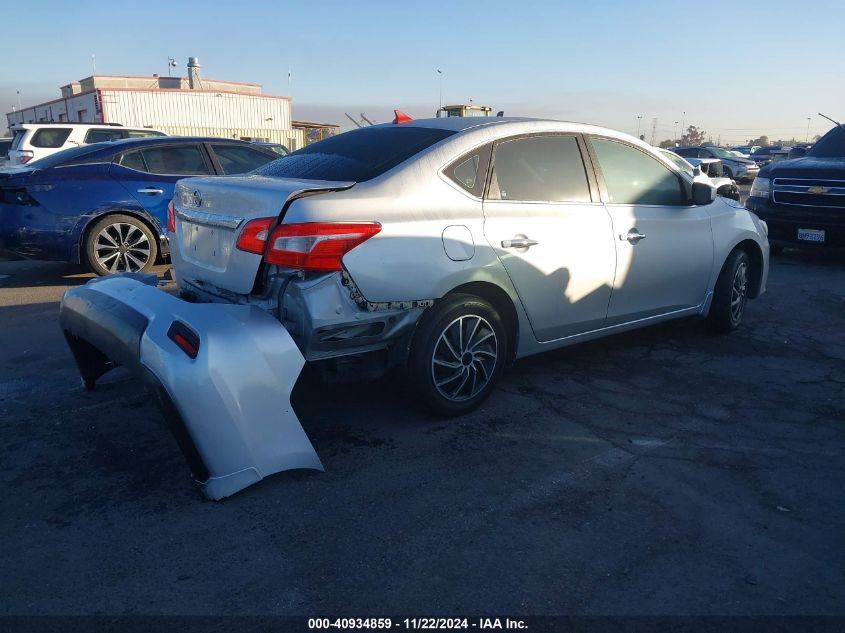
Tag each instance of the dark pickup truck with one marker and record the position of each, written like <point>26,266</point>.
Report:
<point>803,200</point>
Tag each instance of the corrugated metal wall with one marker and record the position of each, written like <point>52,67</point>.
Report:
<point>204,114</point>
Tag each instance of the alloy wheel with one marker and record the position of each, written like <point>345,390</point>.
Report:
<point>739,292</point>
<point>122,247</point>
<point>464,358</point>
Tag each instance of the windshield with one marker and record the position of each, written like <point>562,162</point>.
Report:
<point>66,156</point>
<point>723,153</point>
<point>355,156</point>
<point>831,145</point>
<point>680,162</point>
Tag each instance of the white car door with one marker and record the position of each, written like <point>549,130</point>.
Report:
<point>664,244</point>
<point>553,238</point>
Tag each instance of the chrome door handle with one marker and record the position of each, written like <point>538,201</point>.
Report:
<point>519,242</point>
<point>633,236</point>
<point>151,191</point>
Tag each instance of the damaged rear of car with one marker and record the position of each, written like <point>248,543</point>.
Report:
<point>257,296</point>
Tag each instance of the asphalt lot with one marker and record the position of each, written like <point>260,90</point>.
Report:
<point>665,471</point>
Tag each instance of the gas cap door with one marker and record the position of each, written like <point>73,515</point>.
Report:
<point>458,243</point>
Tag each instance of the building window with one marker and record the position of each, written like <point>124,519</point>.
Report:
<point>80,115</point>
<point>62,117</point>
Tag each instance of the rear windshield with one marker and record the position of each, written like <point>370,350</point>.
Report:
<point>73,155</point>
<point>831,145</point>
<point>51,137</point>
<point>356,156</point>
<point>16,142</point>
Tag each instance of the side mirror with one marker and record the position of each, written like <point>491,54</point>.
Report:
<point>702,193</point>
<point>696,171</point>
<point>797,152</point>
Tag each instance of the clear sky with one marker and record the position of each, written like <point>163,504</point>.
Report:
<point>737,69</point>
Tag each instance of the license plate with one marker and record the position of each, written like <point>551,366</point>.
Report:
<point>204,245</point>
<point>811,235</point>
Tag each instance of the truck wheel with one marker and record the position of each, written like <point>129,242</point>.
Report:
<point>457,354</point>
<point>731,293</point>
<point>120,244</point>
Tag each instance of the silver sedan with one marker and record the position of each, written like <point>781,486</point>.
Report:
<point>445,247</point>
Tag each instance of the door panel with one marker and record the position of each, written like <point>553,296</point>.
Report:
<point>667,270</point>
<point>664,245</point>
<point>559,253</point>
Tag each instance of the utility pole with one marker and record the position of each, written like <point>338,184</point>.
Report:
<point>676,131</point>
<point>683,121</point>
<point>639,120</point>
<point>440,99</point>
<point>807,140</point>
<point>654,130</point>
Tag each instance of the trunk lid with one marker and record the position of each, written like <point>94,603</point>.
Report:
<point>210,213</point>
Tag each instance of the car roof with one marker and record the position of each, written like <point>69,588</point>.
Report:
<point>128,143</point>
<point>517,125</point>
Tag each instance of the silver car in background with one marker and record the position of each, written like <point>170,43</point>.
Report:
<point>707,170</point>
<point>447,248</point>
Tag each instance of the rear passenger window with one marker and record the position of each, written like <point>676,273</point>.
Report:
<point>239,160</point>
<point>98,136</point>
<point>466,173</point>
<point>133,160</point>
<point>50,137</point>
<point>185,160</point>
<point>539,168</point>
<point>633,177</point>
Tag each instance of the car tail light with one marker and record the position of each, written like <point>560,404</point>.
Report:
<point>171,218</point>
<point>316,245</point>
<point>25,156</point>
<point>253,237</point>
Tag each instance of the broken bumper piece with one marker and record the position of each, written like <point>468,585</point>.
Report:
<point>222,375</point>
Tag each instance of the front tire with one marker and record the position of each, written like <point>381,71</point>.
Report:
<point>119,244</point>
<point>457,354</point>
<point>731,293</point>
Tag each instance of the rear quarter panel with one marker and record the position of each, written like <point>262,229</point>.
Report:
<point>407,260</point>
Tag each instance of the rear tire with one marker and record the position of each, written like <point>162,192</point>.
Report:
<point>731,293</point>
<point>726,172</point>
<point>457,354</point>
<point>120,243</point>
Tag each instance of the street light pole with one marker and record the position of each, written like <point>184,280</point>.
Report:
<point>683,121</point>
<point>440,99</point>
<point>639,121</point>
<point>676,131</point>
<point>807,140</point>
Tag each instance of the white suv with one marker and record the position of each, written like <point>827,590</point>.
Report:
<point>37,140</point>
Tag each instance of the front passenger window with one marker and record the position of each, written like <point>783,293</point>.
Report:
<point>633,177</point>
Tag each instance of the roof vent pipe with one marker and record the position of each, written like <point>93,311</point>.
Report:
<point>194,82</point>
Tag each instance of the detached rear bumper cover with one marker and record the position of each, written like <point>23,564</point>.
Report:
<point>229,407</point>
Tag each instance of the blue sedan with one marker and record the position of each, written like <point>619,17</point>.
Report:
<point>105,205</point>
